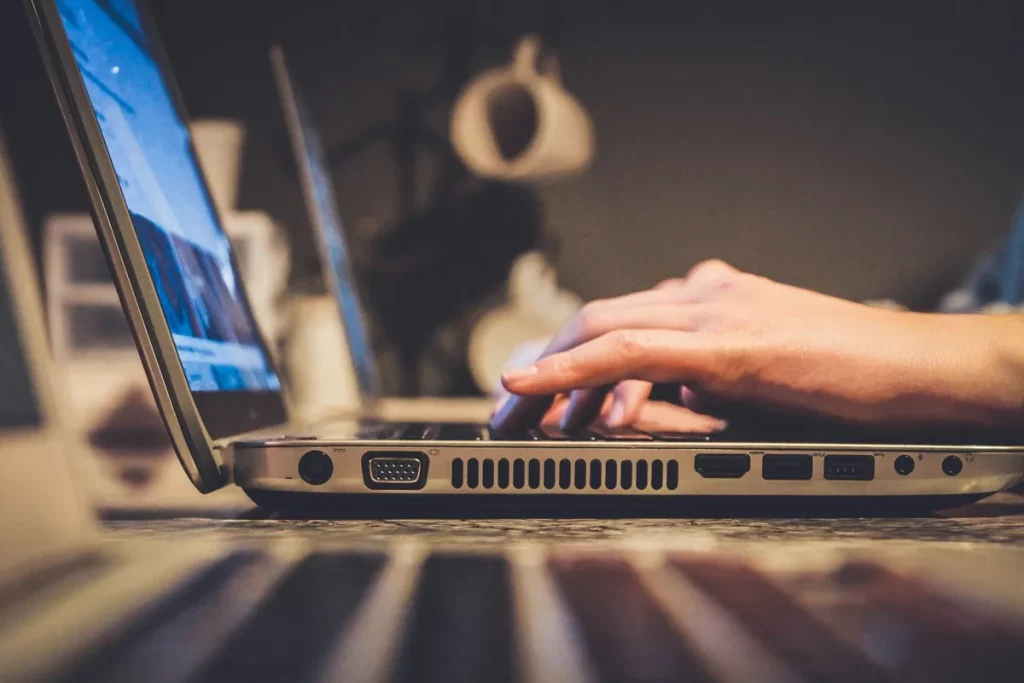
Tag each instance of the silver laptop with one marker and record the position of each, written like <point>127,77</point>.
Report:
<point>185,606</point>
<point>222,399</point>
<point>331,243</point>
<point>325,219</point>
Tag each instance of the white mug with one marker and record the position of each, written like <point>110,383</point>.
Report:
<point>218,144</point>
<point>321,375</point>
<point>518,122</point>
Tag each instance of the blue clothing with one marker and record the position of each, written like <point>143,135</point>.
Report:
<point>997,279</point>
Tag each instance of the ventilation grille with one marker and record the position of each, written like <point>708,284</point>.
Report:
<point>565,474</point>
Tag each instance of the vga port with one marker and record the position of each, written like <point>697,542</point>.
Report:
<point>391,468</point>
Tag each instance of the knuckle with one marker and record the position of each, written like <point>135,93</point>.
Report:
<point>629,343</point>
<point>712,267</point>
<point>726,283</point>
<point>564,365</point>
<point>714,273</point>
<point>671,283</point>
<point>720,278</point>
<point>588,319</point>
<point>738,283</point>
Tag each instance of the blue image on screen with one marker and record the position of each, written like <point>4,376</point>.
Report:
<point>186,250</point>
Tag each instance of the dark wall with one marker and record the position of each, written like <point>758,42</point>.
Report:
<point>862,148</point>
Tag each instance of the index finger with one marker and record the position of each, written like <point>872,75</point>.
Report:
<point>649,355</point>
<point>521,412</point>
<point>518,412</point>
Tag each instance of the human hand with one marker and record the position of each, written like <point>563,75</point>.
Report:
<point>728,336</point>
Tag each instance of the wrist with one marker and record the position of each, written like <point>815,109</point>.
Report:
<point>975,373</point>
<point>1003,337</point>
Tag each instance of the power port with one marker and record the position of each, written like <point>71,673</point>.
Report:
<point>904,465</point>
<point>315,467</point>
<point>721,465</point>
<point>788,466</point>
<point>952,465</point>
<point>850,467</point>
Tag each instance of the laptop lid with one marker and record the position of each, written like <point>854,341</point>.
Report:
<point>207,362</point>
<point>325,219</point>
<point>42,516</point>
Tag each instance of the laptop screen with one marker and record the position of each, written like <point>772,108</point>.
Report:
<point>19,406</point>
<point>323,209</point>
<point>186,249</point>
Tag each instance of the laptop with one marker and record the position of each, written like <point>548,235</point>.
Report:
<point>225,407</point>
<point>335,264</point>
<point>322,207</point>
<point>78,605</point>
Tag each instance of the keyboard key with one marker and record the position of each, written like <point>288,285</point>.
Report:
<point>581,435</point>
<point>378,430</point>
<point>461,432</point>
<point>760,605</point>
<point>303,618</point>
<point>531,435</point>
<point>162,633</point>
<point>382,430</point>
<point>948,638</point>
<point>461,626</point>
<point>627,635</point>
<point>680,436</point>
<point>420,431</point>
<point>548,433</point>
<point>602,433</point>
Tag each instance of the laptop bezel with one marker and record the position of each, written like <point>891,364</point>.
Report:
<point>194,420</point>
<point>291,99</point>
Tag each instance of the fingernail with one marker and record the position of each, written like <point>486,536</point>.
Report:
<point>617,414</point>
<point>521,374</point>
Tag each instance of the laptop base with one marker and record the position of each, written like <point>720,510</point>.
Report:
<point>482,506</point>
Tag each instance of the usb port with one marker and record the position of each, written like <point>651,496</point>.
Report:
<point>722,465</point>
<point>850,467</point>
<point>789,466</point>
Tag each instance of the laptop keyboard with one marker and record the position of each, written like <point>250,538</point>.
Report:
<point>607,615</point>
<point>763,430</point>
<point>419,431</point>
<point>293,631</point>
<point>460,626</point>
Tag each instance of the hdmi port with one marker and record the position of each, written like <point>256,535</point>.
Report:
<point>722,465</point>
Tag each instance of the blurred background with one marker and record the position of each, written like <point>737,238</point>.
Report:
<point>866,149</point>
